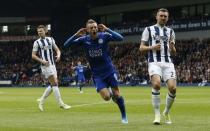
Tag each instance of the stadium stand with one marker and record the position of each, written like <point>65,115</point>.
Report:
<point>191,61</point>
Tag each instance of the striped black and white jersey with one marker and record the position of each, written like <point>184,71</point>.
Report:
<point>157,34</point>
<point>45,46</point>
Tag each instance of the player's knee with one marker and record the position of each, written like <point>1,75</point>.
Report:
<point>156,85</point>
<point>107,97</point>
<point>172,90</point>
<point>54,83</point>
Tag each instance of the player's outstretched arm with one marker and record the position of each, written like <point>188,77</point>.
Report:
<point>114,35</point>
<point>75,38</point>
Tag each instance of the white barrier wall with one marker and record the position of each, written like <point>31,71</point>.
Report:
<point>5,83</point>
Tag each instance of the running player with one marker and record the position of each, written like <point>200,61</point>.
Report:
<point>96,48</point>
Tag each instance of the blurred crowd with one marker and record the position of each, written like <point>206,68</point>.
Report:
<point>192,63</point>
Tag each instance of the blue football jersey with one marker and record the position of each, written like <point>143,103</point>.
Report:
<point>80,71</point>
<point>97,52</point>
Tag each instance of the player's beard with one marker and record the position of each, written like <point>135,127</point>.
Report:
<point>42,36</point>
<point>162,23</point>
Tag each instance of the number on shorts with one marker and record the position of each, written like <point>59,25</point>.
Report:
<point>172,74</point>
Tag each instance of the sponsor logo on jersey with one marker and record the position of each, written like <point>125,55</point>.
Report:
<point>100,41</point>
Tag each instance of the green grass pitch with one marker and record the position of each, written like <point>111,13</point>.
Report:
<point>19,110</point>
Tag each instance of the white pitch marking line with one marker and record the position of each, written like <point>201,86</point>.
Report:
<point>81,105</point>
<point>90,104</point>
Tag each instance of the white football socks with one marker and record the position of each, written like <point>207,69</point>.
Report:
<point>46,93</point>
<point>57,95</point>
<point>169,102</point>
<point>156,101</point>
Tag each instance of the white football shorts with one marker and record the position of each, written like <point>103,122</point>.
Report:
<point>165,70</point>
<point>48,71</point>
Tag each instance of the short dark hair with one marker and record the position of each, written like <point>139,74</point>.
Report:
<point>90,21</point>
<point>41,26</point>
<point>163,10</point>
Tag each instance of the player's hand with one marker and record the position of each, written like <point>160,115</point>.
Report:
<point>58,58</point>
<point>87,64</point>
<point>72,64</point>
<point>72,67</point>
<point>172,47</point>
<point>156,47</point>
<point>102,27</point>
<point>46,63</point>
<point>171,44</point>
<point>81,32</point>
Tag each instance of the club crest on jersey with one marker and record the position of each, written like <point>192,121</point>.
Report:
<point>160,38</point>
<point>156,37</point>
<point>88,43</point>
<point>100,41</point>
<point>45,47</point>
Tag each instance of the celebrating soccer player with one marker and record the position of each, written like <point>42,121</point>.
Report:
<point>96,48</point>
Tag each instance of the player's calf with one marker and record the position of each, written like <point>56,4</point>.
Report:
<point>119,100</point>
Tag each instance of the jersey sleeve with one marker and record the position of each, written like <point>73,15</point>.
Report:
<point>172,36</point>
<point>113,36</point>
<point>35,46</point>
<point>107,36</point>
<point>73,40</point>
<point>145,35</point>
<point>53,43</point>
